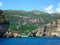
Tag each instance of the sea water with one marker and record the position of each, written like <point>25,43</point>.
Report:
<point>30,41</point>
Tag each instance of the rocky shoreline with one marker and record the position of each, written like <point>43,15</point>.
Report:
<point>8,34</point>
<point>36,33</point>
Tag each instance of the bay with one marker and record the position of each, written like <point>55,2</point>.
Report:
<point>30,41</point>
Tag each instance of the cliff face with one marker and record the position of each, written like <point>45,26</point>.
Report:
<point>4,28</point>
<point>51,29</point>
<point>56,28</point>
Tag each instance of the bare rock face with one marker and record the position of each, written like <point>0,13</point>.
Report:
<point>4,26</point>
<point>33,33</point>
<point>8,34</point>
<point>16,35</point>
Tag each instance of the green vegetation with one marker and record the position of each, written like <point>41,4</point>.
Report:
<point>14,17</point>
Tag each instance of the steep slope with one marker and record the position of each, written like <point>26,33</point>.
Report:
<point>23,19</point>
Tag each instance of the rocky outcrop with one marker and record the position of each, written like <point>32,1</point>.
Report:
<point>9,34</point>
<point>4,24</point>
<point>16,35</point>
<point>37,32</point>
<point>52,29</point>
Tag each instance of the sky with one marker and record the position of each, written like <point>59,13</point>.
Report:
<point>49,6</point>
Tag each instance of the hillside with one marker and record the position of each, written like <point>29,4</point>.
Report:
<point>25,21</point>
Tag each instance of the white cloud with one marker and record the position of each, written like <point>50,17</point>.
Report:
<point>49,9</point>
<point>1,4</point>
<point>58,8</point>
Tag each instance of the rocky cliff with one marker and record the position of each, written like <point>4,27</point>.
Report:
<point>51,29</point>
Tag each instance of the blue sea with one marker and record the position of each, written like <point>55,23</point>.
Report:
<point>30,41</point>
